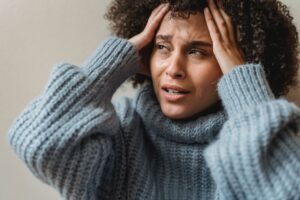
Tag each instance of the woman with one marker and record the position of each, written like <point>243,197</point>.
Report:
<point>205,125</point>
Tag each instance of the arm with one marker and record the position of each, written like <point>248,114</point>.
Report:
<point>64,135</point>
<point>257,154</point>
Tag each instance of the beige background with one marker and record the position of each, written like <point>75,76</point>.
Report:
<point>34,35</point>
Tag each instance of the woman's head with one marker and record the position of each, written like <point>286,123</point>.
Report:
<point>182,62</point>
<point>266,35</point>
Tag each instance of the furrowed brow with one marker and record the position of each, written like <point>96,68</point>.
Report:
<point>164,37</point>
<point>200,43</point>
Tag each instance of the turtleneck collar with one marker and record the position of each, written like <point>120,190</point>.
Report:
<point>200,129</point>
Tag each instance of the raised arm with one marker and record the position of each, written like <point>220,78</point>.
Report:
<point>257,154</point>
<point>64,135</point>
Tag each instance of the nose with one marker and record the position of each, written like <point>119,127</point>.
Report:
<point>176,67</point>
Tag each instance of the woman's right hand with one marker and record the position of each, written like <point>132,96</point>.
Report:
<point>144,38</point>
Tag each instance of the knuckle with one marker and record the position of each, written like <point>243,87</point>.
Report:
<point>218,45</point>
<point>229,20</point>
<point>223,24</point>
<point>218,35</point>
<point>208,18</point>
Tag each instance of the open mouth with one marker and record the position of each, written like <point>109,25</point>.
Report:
<point>172,91</point>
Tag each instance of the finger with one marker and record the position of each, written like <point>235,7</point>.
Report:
<point>159,13</point>
<point>212,28</point>
<point>156,11</point>
<point>231,29</point>
<point>159,7</point>
<point>146,36</point>
<point>153,23</point>
<point>219,21</point>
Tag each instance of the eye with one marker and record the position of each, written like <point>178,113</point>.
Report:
<point>197,52</point>
<point>162,48</point>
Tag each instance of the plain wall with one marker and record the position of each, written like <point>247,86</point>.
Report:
<point>34,35</point>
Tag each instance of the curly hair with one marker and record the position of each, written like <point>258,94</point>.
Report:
<point>267,34</point>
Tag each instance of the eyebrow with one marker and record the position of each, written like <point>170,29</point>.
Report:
<point>191,43</point>
<point>164,37</point>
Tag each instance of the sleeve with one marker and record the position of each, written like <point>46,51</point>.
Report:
<point>257,152</point>
<point>64,136</point>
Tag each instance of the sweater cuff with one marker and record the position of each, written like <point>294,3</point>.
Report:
<point>113,61</point>
<point>243,87</point>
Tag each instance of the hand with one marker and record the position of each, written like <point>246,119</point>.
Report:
<point>222,32</point>
<point>144,38</point>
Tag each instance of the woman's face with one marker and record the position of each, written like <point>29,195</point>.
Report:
<point>183,67</point>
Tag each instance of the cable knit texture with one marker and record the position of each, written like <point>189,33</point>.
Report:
<point>75,139</point>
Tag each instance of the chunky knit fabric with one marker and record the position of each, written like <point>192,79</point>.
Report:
<point>73,138</point>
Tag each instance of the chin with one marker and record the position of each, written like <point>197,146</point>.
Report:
<point>176,113</point>
<point>183,113</point>
<point>174,116</point>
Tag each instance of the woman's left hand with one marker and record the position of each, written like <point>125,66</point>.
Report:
<point>222,32</point>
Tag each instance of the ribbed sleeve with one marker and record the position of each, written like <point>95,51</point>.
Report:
<point>244,86</point>
<point>64,135</point>
<point>257,154</point>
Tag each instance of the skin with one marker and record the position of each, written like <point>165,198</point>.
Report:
<point>183,56</point>
<point>178,63</point>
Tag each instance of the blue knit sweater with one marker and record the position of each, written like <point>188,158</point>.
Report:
<point>73,138</point>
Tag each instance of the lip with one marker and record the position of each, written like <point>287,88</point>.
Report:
<point>173,87</point>
<point>174,97</point>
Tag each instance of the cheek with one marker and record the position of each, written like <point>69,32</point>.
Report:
<point>156,67</point>
<point>152,66</point>
<point>206,75</point>
<point>209,72</point>
<point>205,69</point>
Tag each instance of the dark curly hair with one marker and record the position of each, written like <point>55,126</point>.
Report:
<point>267,32</point>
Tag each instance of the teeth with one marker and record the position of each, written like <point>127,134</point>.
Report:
<point>174,91</point>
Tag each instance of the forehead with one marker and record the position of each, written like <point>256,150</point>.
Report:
<point>195,26</point>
